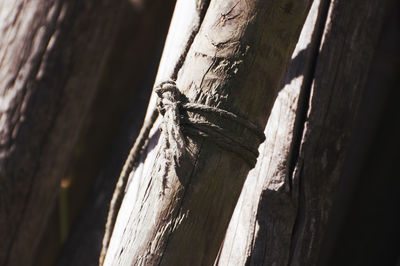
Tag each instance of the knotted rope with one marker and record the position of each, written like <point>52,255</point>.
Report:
<point>175,123</point>
<point>172,106</point>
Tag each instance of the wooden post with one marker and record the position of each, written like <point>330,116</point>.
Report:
<point>282,216</point>
<point>52,53</point>
<point>236,63</point>
<point>260,230</point>
<point>347,48</point>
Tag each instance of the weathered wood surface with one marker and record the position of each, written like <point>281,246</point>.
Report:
<point>260,229</point>
<point>342,68</point>
<point>112,125</point>
<point>51,54</point>
<point>364,224</point>
<point>184,26</point>
<point>236,63</point>
<point>286,220</point>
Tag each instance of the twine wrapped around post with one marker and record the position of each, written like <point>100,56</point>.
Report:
<point>174,110</point>
<point>175,124</point>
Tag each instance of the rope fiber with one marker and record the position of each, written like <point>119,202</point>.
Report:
<point>174,108</point>
<point>176,121</point>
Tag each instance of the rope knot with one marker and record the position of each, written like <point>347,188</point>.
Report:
<point>169,96</point>
<point>170,105</point>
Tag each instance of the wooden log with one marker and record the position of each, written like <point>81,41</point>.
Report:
<point>52,53</point>
<point>285,221</point>
<point>260,229</point>
<point>184,26</point>
<point>236,63</point>
<point>115,119</point>
<point>344,61</point>
<point>363,227</point>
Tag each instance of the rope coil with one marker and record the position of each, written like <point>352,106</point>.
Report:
<point>176,122</point>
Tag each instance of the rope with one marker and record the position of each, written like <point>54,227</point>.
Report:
<point>141,141</point>
<point>118,195</point>
<point>176,122</point>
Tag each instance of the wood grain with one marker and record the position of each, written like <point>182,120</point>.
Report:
<point>344,60</point>
<point>51,55</point>
<point>260,229</point>
<point>112,125</point>
<point>285,220</point>
<point>236,63</point>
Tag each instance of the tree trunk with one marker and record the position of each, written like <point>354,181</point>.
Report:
<point>235,63</point>
<point>52,53</point>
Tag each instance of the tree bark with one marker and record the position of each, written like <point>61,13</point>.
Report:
<point>284,223</point>
<point>236,63</point>
<point>52,53</point>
